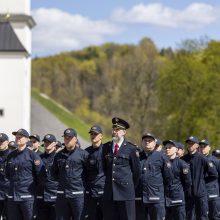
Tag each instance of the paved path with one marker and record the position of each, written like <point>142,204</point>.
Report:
<point>43,122</point>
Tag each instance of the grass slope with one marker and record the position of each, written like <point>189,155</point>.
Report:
<point>65,116</point>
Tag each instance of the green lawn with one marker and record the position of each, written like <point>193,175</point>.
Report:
<point>66,117</point>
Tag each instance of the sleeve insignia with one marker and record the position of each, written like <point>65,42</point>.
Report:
<point>168,164</point>
<point>37,162</point>
<point>210,164</point>
<point>185,170</point>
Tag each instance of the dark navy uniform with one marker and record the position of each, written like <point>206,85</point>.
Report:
<point>155,172</point>
<point>22,170</point>
<point>200,167</point>
<point>212,187</point>
<point>174,192</point>
<point>4,184</point>
<point>68,169</point>
<point>46,189</point>
<point>95,180</point>
<point>122,176</point>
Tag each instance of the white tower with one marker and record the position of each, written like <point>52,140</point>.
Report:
<point>15,65</point>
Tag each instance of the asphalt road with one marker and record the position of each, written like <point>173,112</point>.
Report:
<point>43,122</point>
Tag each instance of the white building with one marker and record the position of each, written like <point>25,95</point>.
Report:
<point>15,65</point>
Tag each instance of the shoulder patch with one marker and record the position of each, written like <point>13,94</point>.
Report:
<point>37,162</point>
<point>211,164</point>
<point>168,164</point>
<point>185,170</point>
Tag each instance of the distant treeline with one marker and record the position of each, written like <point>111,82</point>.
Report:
<point>173,94</point>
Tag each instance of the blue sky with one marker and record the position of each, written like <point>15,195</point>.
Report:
<point>65,25</point>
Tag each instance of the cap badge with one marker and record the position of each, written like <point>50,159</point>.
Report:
<point>116,119</point>
<point>0,135</point>
<point>68,131</point>
<point>185,171</point>
<point>48,136</point>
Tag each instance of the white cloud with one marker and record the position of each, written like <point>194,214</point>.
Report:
<point>57,31</point>
<point>195,15</point>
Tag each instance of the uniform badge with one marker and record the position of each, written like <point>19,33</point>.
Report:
<point>68,131</point>
<point>116,119</point>
<point>37,162</point>
<point>185,170</point>
<point>210,164</point>
<point>48,136</point>
<point>137,154</point>
<point>168,164</point>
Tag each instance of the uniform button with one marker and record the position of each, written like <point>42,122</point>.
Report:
<point>145,168</point>
<point>114,158</point>
<point>113,171</point>
<point>16,168</point>
<point>113,164</point>
<point>113,179</point>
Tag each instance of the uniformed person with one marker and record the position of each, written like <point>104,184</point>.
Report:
<point>212,184</point>
<point>155,172</point>
<point>95,178</point>
<point>180,150</point>
<point>4,183</point>
<point>22,169</point>
<point>216,153</point>
<point>12,145</point>
<point>174,192</point>
<point>122,169</point>
<point>201,168</point>
<point>47,186</point>
<point>59,146</point>
<point>69,170</point>
<point>159,146</point>
<point>35,139</point>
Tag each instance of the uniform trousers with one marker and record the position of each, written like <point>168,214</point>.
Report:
<point>214,209</point>
<point>45,210</point>
<point>119,210</point>
<point>176,212</point>
<point>3,209</point>
<point>197,208</point>
<point>94,207</point>
<point>22,210</point>
<point>69,207</point>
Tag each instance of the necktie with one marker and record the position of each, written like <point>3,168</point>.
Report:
<point>116,149</point>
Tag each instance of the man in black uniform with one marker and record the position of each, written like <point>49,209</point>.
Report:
<point>201,168</point>
<point>69,170</point>
<point>95,178</point>
<point>22,169</point>
<point>212,184</point>
<point>4,183</point>
<point>122,169</point>
<point>47,186</point>
<point>181,182</point>
<point>35,139</point>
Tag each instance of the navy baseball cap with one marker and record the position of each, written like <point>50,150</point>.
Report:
<point>192,139</point>
<point>12,144</point>
<point>35,136</point>
<point>29,144</point>
<point>22,132</point>
<point>70,132</point>
<point>158,141</point>
<point>180,145</point>
<point>149,135</point>
<point>50,137</point>
<point>204,142</point>
<point>59,144</point>
<point>3,137</point>
<point>216,153</point>
<point>120,123</point>
<point>95,128</point>
<point>170,142</point>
